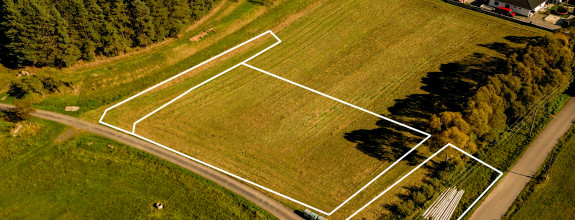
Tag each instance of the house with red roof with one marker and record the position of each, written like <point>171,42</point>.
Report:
<point>520,7</point>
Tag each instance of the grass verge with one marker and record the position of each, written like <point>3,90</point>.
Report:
<point>547,196</point>
<point>72,175</point>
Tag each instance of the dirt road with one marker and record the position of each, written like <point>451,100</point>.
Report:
<point>258,198</point>
<point>507,190</point>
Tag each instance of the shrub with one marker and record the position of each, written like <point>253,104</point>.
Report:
<point>35,84</point>
<point>405,208</point>
<point>419,198</point>
<point>23,111</point>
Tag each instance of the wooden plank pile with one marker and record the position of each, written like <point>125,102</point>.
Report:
<point>444,206</point>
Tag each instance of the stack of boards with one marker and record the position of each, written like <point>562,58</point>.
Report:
<point>445,205</point>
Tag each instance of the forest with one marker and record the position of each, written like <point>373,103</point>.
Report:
<point>59,33</point>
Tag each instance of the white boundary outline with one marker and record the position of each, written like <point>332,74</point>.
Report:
<point>427,136</point>
<point>423,163</point>
<point>133,132</point>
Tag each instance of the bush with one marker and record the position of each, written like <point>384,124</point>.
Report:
<point>23,110</point>
<point>428,191</point>
<point>35,84</point>
<point>405,208</point>
<point>26,85</point>
<point>419,198</point>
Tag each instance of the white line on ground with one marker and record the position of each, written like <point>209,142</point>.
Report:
<point>359,108</point>
<point>424,162</point>
<point>427,136</point>
<point>185,71</point>
<point>220,74</point>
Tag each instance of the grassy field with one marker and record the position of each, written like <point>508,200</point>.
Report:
<point>126,114</point>
<point>283,137</point>
<point>49,171</point>
<point>336,47</point>
<point>550,197</point>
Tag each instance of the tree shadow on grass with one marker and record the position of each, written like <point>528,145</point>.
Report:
<point>445,90</point>
<point>258,2</point>
<point>501,48</point>
<point>387,143</point>
<point>506,49</point>
<point>571,90</point>
<point>522,39</point>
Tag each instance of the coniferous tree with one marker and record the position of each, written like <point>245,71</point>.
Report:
<point>82,30</point>
<point>67,52</point>
<point>198,8</point>
<point>142,24</point>
<point>120,19</point>
<point>178,16</point>
<point>60,32</point>
<point>111,40</point>
<point>159,14</point>
<point>10,27</point>
<point>96,20</point>
<point>35,41</point>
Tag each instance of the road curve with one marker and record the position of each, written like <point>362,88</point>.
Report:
<point>506,191</point>
<point>257,197</point>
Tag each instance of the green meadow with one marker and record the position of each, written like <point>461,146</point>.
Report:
<point>51,171</point>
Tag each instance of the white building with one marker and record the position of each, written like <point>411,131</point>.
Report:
<point>520,7</point>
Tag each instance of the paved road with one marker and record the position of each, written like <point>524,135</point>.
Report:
<point>258,198</point>
<point>537,19</point>
<point>507,190</point>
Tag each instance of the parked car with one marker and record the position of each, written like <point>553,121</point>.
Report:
<point>505,11</point>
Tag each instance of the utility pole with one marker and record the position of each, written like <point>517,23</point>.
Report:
<point>533,122</point>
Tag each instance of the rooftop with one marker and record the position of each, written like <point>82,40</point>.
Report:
<point>528,4</point>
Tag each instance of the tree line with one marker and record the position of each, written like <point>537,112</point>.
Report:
<point>543,67</point>
<point>540,70</point>
<point>61,32</point>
